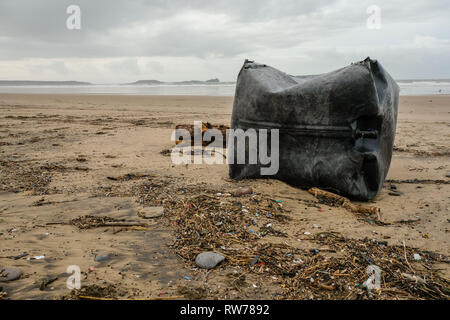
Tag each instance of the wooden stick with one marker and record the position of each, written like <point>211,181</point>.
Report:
<point>344,202</point>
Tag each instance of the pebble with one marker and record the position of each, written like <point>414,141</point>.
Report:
<point>102,257</point>
<point>9,274</point>
<point>447,174</point>
<point>153,212</point>
<point>208,260</point>
<point>243,191</point>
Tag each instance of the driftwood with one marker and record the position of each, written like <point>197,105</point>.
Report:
<point>344,202</point>
<point>205,126</point>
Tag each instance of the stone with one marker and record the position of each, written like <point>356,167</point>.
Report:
<point>152,212</point>
<point>242,191</point>
<point>9,274</point>
<point>208,260</point>
<point>101,258</point>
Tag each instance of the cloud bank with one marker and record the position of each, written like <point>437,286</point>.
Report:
<point>127,40</point>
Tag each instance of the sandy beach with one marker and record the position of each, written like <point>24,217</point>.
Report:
<point>63,157</point>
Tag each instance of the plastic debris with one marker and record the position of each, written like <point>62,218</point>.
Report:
<point>345,120</point>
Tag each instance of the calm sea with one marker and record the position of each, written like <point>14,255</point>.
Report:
<point>408,87</point>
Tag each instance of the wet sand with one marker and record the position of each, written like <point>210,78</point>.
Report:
<point>66,156</point>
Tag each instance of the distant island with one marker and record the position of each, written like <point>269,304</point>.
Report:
<point>19,83</point>
<point>156,82</point>
<point>42,83</point>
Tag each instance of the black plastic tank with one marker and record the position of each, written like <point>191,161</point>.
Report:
<point>336,130</point>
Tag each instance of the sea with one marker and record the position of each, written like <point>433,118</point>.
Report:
<point>407,88</point>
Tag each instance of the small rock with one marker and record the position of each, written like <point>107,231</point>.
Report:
<point>102,257</point>
<point>153,212</point>
<point>208,260</point>
<point>447,174</point>
<point>9,274</point>
<point>242,191</point>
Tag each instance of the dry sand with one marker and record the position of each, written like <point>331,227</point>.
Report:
<point>56,152</point>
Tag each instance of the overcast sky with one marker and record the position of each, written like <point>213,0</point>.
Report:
<point>128,40</point>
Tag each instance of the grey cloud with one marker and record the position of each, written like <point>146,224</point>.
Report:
<point>226,29</point>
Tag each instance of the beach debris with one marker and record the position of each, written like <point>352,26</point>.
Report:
<point>417,257</point>
<point>20,256</point>
<point>9,274</point>
<point>393,191</point>
<point>373,282</point>
<point>364,128</point>
<point>254,261</point>
<point>333,199</point>
<point>413,278</point>
<point>194,209</point>
<point>102,258</point>
<point>205,126</point>
<point>96,292</point>
<point>242,191</point>
<point>166,152</point>
<point>208,260</point>
<point>193,293</point>
<point>88,222</point>
<point>45,282</point>
<point>129,176</point>
<point>38,257</point>
<point>151,212</point>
